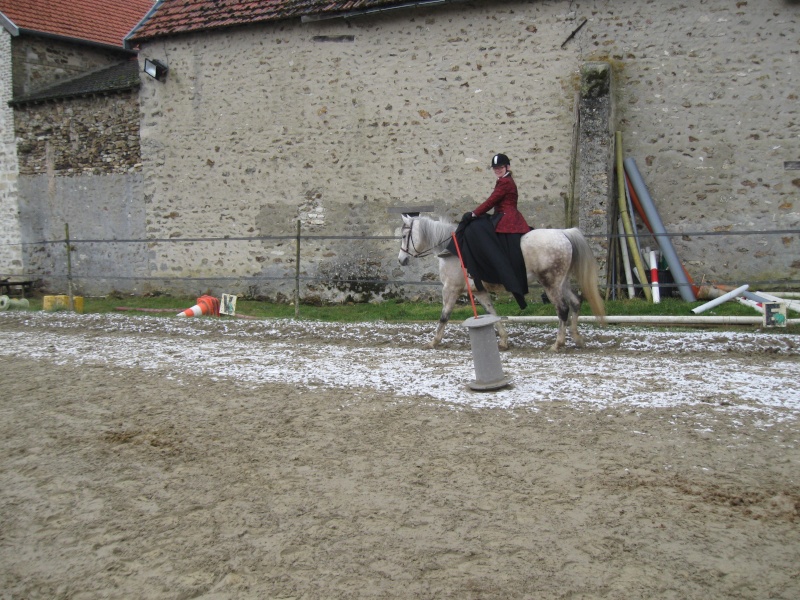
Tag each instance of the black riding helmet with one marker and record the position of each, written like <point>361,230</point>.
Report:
<point>500,160</point>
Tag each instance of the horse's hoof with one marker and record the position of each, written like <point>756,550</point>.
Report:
<point>580,343</point>
<point>556,347</point>
<point>430,346</point>
<point>502,345</point>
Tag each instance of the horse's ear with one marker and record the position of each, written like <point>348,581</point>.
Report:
<point>406,219</point>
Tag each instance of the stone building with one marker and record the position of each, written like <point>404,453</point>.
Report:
<point>70,127</point>
<point>331,113</point>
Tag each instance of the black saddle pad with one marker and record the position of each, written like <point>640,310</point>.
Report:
<point>491,257</point>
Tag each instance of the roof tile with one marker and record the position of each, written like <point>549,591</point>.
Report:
<point>104,22</point>
<point>184,16</point>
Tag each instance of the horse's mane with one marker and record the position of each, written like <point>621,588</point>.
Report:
<point>435,231</point>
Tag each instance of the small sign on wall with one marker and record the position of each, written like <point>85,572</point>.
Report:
<point>228,305</point>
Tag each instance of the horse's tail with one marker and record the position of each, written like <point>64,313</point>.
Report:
<point>584,269</point>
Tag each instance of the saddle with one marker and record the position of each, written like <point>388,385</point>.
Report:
<point>489,257</point>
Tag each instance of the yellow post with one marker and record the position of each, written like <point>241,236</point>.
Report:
<point>626,219</point>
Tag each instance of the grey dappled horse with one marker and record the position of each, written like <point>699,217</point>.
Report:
<point>551,256</point>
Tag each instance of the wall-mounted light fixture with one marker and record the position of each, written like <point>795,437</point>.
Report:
<point>155,69</point>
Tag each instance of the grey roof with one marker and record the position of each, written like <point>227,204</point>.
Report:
<point>121,77</point>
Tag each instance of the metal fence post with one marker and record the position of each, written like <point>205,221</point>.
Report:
<point>71,304</point>
<point>297,272</point>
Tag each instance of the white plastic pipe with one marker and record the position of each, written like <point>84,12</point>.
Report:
<point>720,300</point>
<point>654,320</point>
<point>751,303</point>
<point>793,304</point>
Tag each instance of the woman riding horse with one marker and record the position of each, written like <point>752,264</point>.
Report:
<point>490,244</point>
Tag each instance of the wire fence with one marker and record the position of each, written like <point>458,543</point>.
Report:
<point>63,271</point>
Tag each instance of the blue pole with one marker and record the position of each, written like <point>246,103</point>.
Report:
<point>664,242</point>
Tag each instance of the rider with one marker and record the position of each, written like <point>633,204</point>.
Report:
<point>504,200</point>
<point>490,244</point>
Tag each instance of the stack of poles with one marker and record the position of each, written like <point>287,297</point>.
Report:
<point>686,287</point>
<point>633,199</point>
<point>629,245</point>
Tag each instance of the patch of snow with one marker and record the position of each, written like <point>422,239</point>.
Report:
<point>619,368</point>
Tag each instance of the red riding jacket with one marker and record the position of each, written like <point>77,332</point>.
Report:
<point>504,200</point>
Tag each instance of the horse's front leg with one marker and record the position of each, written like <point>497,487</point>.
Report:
<point>486,302</point>
<point>561,337</point>
<point>449,298</point>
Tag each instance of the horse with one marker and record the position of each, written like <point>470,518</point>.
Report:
<point>551,257</point>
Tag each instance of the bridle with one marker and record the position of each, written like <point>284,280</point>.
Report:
<point>407,244</point>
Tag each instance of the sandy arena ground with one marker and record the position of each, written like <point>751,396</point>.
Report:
<point>145,457</point>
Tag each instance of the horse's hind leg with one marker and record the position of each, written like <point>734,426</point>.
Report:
<point>561,336</point>
<point>575,308</point>
<point>562,310</point>
<point>486,302</point>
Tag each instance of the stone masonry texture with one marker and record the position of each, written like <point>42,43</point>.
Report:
<point>11,261</point>
<point>332,122</point>
<point>92,135</point>
<point>74,161</point>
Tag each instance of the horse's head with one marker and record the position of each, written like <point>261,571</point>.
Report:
<point>422,236</point>
<point>406,241</point>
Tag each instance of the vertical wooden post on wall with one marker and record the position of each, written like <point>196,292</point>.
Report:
<point>71,304</point>
<point>297,272</point>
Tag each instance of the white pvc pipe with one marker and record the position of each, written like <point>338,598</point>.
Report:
<point>751,303</point>
<point>793,304</point>
<point>720,300</point>
<point>654,320</point>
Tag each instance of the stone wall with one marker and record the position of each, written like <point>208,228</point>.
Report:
<point>88,135</point>
<point>332,122</point>
<point>79,165</point>
<point>10,248</point>
<point>95,207</point>
<point>74,161</point>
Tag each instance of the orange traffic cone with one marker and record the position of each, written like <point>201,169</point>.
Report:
<point>206,305</point>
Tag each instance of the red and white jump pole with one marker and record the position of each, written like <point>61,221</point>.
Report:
<point>654,277</point>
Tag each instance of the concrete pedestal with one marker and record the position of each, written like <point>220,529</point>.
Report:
<point>485,354</point>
